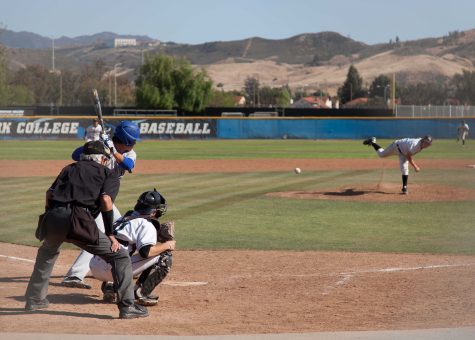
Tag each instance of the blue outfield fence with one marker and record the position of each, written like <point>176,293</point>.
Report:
<point>48,127</point>
<point>336,128</point>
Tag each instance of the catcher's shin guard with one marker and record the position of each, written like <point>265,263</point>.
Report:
<point>156,275</point>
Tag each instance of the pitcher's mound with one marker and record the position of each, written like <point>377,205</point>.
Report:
<point>386,192</point>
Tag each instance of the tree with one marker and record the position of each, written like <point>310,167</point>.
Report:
<point>220,98</point>
<point>251,91</point>
<point>3,77</point>
<point>167,83</point>
<point>42,85</point>
<point>464,87</point>
<point>424,94</point>
<point>352,87</point>
<point>379,87</point>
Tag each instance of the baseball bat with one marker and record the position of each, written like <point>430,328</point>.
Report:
<point>97,106</point>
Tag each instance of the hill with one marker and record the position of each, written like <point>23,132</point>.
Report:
<point>310,61</point>
<point>28,40</point>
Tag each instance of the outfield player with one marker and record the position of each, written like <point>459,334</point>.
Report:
<point>93,132</point>
<point>405,148</point>
<point>126,134</point>
<point>140,231</point>
<point>462,131</point>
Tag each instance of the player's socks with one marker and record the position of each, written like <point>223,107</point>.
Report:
<point>376,146</point>
<point>404,180</point>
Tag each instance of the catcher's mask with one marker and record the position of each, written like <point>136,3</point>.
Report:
<point>151,203</point>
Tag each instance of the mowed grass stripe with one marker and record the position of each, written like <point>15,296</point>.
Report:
<point>246,191</point>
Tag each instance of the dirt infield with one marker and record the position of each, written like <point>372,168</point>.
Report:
<point>51,168</point>
<point>250,292</point>
<point>386,192</point>
<point>253,292</point>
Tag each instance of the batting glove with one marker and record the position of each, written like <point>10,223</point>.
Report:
<point>109,143</point>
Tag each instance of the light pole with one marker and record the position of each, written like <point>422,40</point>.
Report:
<point>52,54</point>
<point>60,88</point>
<point>386,87</point>
<point>385,96</point>
<point>110,87</point>
<point>115,83</point>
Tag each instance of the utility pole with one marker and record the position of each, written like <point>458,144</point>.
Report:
<point>52,54</point>
<point>110,89</point>
<point>393,92</point>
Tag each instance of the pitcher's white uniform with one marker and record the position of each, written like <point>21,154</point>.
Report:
<point>136,233</point>
<point>403,148</point>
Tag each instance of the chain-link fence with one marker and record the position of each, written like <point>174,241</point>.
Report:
<point>434,111</point>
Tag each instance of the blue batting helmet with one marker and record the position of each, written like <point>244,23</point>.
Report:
<point>127,133</point>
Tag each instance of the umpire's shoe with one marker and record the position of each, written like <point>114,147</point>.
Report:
<point>133,312</point>
<point>32,305</point>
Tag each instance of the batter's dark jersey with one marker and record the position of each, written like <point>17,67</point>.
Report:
<point>83,183</point>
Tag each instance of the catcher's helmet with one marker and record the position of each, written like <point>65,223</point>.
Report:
<point>127,133</point>
<point>151,202</point>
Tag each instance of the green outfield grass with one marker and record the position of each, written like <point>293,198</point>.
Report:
<point>231,211</point>
<point>221,149</point>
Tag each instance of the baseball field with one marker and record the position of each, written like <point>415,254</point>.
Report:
<point>261,249</point>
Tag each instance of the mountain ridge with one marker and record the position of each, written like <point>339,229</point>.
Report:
<point>307,60</point>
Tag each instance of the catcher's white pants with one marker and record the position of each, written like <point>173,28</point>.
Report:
<point>80,267</point>
<point>391,150</point>
<point>102,270</point>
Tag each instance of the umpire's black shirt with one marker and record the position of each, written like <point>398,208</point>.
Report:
<point>83,183</point>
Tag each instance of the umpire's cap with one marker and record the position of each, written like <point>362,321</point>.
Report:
<point>96,147</point>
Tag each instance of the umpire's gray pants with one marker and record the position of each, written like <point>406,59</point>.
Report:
<point>57,223</point>
<point>80,267</point>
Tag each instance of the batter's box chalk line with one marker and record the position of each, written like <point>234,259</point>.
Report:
<point>346,277</point>
<point>184,283</point>
<point>169,283</point>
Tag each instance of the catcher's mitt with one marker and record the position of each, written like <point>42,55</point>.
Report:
<point>166,231</point>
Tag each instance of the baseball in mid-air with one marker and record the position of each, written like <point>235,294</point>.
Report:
<point>297,170</point>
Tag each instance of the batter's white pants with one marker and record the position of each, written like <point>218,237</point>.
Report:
<point>392,150</point>
<point>80,267</point>
<point>102,270</point>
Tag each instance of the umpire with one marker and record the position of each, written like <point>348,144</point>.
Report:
<point>80,192</point>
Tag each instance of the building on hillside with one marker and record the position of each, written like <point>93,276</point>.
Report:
<point>239,100</point>
<point>154,43</point>
<point>122,42</point>
<point>311,102</point>
<point>357,102</point>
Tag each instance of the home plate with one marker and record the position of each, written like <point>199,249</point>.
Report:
<point>184,283</point>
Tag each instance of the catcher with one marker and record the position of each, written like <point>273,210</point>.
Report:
<point>150,245</point>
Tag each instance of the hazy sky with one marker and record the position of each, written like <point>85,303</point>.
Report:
<point>198,21</point>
